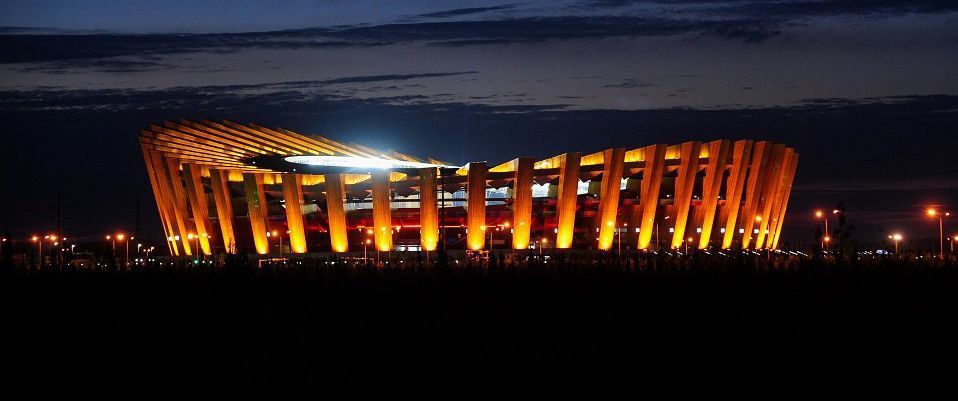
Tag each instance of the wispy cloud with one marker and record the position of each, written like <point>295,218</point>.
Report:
<point>461,12</point>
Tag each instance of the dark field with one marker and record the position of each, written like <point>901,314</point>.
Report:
<point>822,331</point>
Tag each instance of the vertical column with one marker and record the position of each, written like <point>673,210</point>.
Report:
<point>614,161</point>
<point>649,198</point>
<point>197,198</point>
<point>786,192</point>
<point>256,204</point>
<point>382,216</point>
<point>684,183</point>
<point>169,178</point>
<point>711,185</point>
<point>522,202</point>
<point>223,200</point>
<point>760,154</point>
<point>165,218</point>
<point>336,211</point>
<point>428,209</point>
<point>293,197</point>
<point>566,198</point>
<point>734,187</point>
<point>476,206</point>
<point>780,157</point>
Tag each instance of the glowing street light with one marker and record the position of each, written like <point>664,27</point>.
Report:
<point>121,237</point>
<point>39,250</point>
<point>896,237</point>
<point>275,234</point>
<point>932,212</point>
<point>196,249</point>
<point>820,215</point>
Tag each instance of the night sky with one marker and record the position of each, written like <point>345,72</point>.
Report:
<point>866,91</point>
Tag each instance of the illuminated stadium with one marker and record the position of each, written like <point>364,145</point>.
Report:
<point>224,187</point>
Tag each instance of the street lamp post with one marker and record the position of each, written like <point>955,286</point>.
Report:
<point>941,230</point>
<point>196,249</point>
<point>275,233</point>
<point>506,226</point>
<point>895,237</point>
<point>126,255</point>
<point>820,215</point>
<point>619,232</point>
<point>39,251</point>
<point>490,237</point>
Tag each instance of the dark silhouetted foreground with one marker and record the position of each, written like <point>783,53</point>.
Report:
<point>707,326</point>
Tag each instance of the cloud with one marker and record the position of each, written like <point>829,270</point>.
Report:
<point>753,21</point>
<point>459,12</point>
<point>35,48</point>
<point>785,8</point>
<point>215,97</point>
<point>629,84</point>
<point>746,21</point>
<point>108,65</point>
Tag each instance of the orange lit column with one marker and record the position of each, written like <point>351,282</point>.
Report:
<point>256,204</point>
<point>753,190</point>
<point>711,185</point>
<point>169,181</point>
<point>428,209</point>
<point>614,161</point>
<point>336,211</point>
<point>786,192</point>
<point>160,206</point>
<point>476,206</point>
<point>779,196</point>
<point>293,197</point>
<point>522,202</point>
<point>566,198</point>
<point>773,181</point>
<point>684,183</point>
<point>654,156</point>
<point>197,198</point>
<point>382,216</point>
<point>734,187</point>
<point>223,200</point>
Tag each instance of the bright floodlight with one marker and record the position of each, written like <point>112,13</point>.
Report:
<point>358,162</point>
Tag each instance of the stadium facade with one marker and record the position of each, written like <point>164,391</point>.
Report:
<point>244,188</point>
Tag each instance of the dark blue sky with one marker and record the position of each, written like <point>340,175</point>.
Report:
<point>866,91</point>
